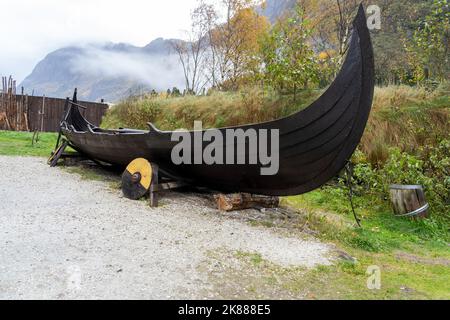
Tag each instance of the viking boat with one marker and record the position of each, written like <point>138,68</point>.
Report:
<point>315,144</point>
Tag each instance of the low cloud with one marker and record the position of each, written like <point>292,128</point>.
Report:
<point>156,71</point>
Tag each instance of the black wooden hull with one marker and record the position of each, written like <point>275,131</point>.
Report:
<point>315,144</point>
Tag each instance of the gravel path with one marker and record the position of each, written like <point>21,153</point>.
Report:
<point>62,237</point>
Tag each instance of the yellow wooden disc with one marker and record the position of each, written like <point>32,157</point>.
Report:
<point>144,168</point>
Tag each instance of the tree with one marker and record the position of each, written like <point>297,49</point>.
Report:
<point>431,40</point>
<point>288,57</point>
<point>193,53</point>
<point>331,24</point>
<point>176,92</point>
<point>396,60</point>
<point>207,16</point>
<point>236,42</point>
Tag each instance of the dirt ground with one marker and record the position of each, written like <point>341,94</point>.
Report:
<point>63,237</point>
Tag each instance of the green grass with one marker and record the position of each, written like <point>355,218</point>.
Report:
<point>246,275</point>
<point>19,144</point>
<point>399,280</point>
<point>413,256</point>
<point>381,232</point>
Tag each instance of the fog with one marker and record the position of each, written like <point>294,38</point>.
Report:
<point>156,71</point>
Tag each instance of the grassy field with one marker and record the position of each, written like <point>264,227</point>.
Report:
<point>20,144</point>
<point>413,256</point>
<point>219,109</point>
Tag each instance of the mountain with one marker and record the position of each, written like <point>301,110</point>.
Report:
<point>107,71</point>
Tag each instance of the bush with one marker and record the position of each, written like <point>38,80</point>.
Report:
<point>134,113</point>
<point>408,118</point>
<point>432,172</point>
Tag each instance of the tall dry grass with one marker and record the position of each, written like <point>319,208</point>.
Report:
<point>408,118</point>
<point>219,109</point>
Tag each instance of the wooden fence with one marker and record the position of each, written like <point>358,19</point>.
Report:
<point>19,112</point>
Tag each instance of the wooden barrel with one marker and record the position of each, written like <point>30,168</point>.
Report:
<point>409,201</point>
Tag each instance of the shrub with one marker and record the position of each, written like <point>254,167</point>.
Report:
<point>403,168</point>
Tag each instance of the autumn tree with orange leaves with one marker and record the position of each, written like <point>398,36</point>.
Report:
<point>236,43</point>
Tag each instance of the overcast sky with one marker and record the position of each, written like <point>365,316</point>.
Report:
<point>30,29</point>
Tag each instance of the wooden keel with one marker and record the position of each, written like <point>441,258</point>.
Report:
<point>153,188</point>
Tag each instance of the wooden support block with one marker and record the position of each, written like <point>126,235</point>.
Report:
<point>242,201</point>
<point>53,161</point>
<point>154,187</point>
